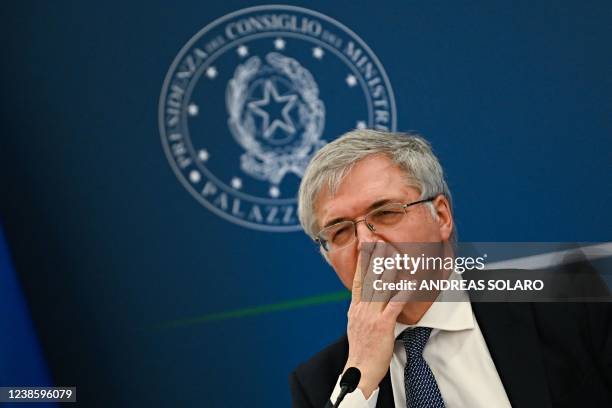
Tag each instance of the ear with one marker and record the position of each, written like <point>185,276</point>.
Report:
<point>445,216</point>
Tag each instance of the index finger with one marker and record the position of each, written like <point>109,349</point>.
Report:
<point>356,290</point>
<point>357,282</point>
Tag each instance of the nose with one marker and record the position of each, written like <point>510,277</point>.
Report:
<point>364,235</point>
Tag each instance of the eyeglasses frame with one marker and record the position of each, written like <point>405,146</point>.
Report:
<point>320,241</point>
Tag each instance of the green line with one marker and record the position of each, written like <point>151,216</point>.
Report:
<point>263,309</point>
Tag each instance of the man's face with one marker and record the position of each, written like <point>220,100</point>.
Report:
<point>371,181</point>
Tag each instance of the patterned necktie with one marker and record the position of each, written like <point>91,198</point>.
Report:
<point>421,388</point>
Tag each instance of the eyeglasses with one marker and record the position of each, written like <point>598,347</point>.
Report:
<point>382,219</point>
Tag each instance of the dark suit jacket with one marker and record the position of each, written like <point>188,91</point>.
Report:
<point>546,354</point>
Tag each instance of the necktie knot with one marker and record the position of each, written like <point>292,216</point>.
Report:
<point>415,340</point>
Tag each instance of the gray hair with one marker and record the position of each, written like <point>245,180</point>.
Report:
<point>332,163</point>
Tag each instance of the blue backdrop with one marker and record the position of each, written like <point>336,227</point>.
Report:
<point>141,294</point>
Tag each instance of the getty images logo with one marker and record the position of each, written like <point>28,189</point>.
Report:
<point>250,99</point>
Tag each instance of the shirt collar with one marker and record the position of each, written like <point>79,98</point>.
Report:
<point>446,315</point>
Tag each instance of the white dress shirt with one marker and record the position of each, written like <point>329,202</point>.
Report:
<point>458,356</point>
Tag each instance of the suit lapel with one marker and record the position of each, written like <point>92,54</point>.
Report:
<point>511,337</point>
<point>385,393</point>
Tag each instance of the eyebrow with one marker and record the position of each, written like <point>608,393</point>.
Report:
<point>372,206</point>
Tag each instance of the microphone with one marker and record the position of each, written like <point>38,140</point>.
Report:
<point>348,383</point>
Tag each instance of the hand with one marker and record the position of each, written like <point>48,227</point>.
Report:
<point>370,329</point>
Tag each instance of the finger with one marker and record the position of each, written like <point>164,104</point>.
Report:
<point>361,268</point>
<point>389,275</point>
<point>394,307</point>
<point>378,250</point>
<point>357,282</point>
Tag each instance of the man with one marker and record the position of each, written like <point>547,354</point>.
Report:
<point>422,354</point>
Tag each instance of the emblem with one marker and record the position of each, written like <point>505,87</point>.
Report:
<point>251,98</point>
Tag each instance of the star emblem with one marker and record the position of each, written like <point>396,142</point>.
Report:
<point>236,183</point>
<point>211,72</point>
<point>317,52</point>
<point>192,109</point>
<point>274,192</point>
<point>271,97</point>
<point>351,80</point>
<point>195,176</point>
<point>203,155</point>
<point>279,44</point>
<point>242,51</point>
